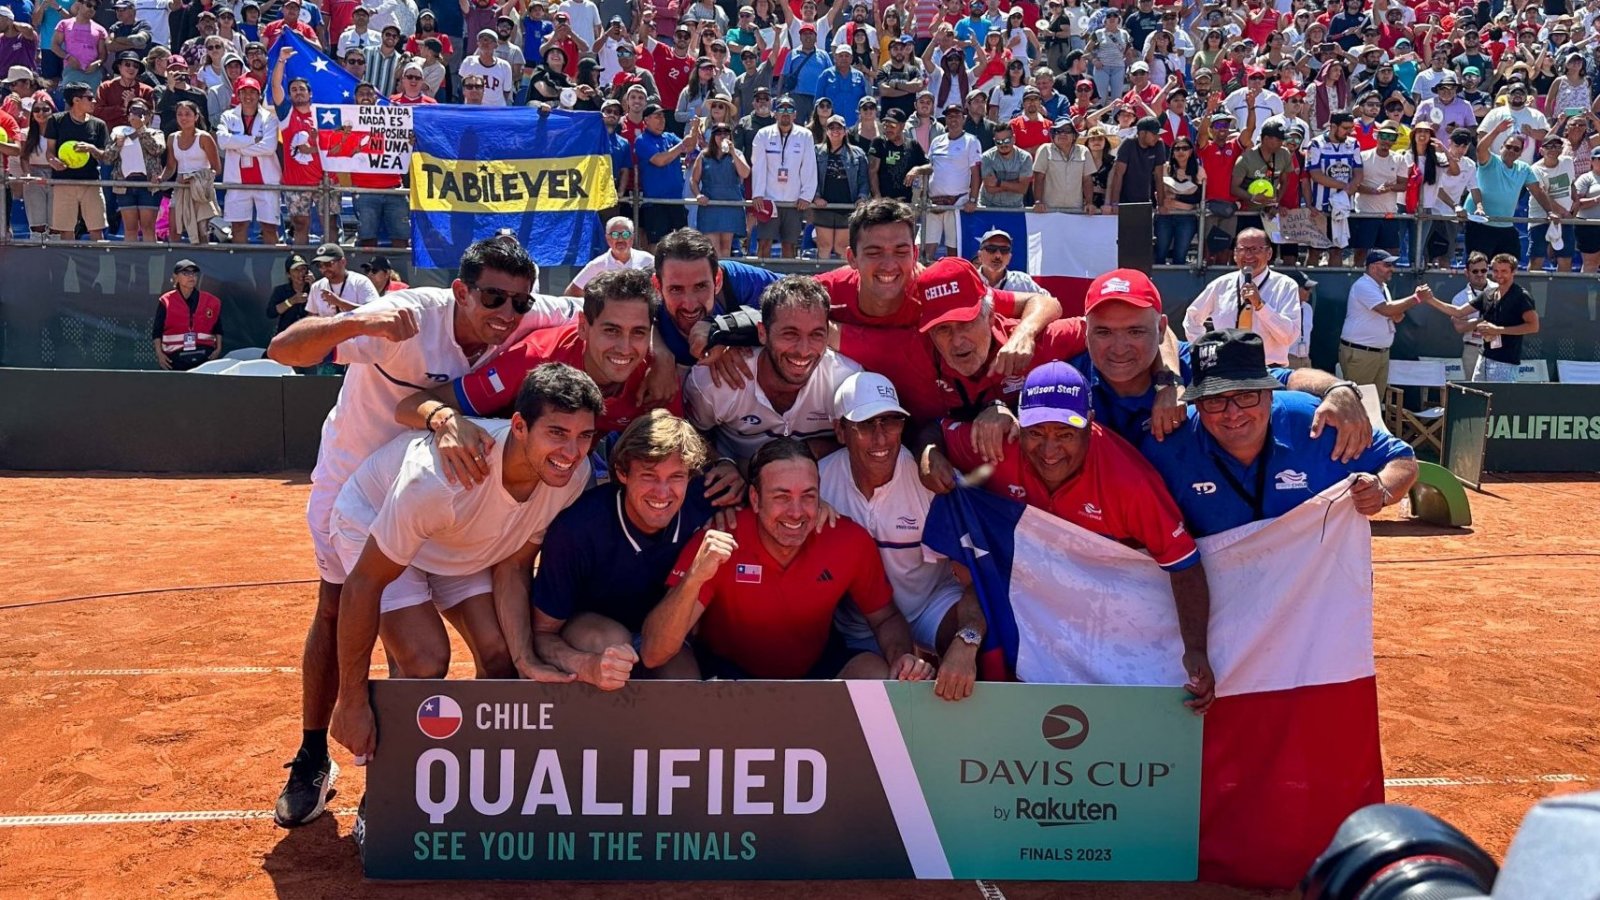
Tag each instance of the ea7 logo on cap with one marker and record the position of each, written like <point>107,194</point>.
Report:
<point>1115,286</point>
<point>948,289</point>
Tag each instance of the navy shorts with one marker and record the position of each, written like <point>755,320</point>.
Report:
<point>1369,234</point>
<point>139,198</point>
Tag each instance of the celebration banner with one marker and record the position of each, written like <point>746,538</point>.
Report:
<point>476,171</point>
<point>374,140</point>
<point>760,780</point>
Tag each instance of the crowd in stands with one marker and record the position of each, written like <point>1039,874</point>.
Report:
<point>764,124</point>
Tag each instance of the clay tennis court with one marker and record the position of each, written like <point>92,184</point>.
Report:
<point>152,633</point>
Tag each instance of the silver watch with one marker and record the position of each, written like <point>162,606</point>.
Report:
<point>969,636</point>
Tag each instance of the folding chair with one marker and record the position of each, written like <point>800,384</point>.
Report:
<point>1533,371</point>
<point>1572,371</point>
<point>1424,425</point>
<point>1453,370</point>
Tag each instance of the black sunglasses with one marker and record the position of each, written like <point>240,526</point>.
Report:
<point>996,248</point>
<point>494,298</point>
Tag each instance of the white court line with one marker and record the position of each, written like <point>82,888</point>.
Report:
<point>990,892</point>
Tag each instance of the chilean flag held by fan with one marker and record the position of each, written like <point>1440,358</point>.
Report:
<point>439,716</point>
<point>1291,743</point>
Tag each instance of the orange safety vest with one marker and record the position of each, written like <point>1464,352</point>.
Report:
<point>180,322</point>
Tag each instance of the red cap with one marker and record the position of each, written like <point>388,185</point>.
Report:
<point>1129,286</point>
<point>951,290</point>
<point>1255,72</point>
<point>176,61</point>
<point>1292,94</point>
<point>807,26</point>
<point>245,81</point>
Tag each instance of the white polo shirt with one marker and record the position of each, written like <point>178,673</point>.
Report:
<point>1278,320</point>
<point>743,419</point>
<point>1362,325</point>
<point>606,262</point>
<point>401,498</point>
<point>894,516</point>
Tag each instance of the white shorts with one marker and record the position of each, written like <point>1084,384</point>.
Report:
<point>939,228</point>
<point>252,206</point>
<point>924,628</point>
<point>415,587</point>
<point>319,510</point>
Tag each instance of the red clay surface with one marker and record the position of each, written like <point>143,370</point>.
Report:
<point>1485,643</point>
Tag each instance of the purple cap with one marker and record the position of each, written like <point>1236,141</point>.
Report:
<point>1054,392</point>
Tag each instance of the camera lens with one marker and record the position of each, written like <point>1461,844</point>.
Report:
<point>1398,853</point>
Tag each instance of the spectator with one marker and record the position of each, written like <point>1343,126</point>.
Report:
<point>248,136</point>
<point>1063,173</point>
<point>355,62</point>
<point>953,175</point>
<point>1369,322</point>
<point>1502,176</point>
<point>620,254</point>
<point>843,184</point>
<point>302,162</point>
<point>20,84</point>
<point>1133,178</point>
<point>803,69</point>
<point>759,117</point>
<point>892,158</point>
<point>783,170</point>
<point>75,184</point>
<point>1384,175</point>
<point>187,329</point>
<point>413,84</point>
<point>360,36</point>
<point>1333,163</point>
<point>693,100</point>
<point>1007,172</point>
<point>384,61</point>
<point>978,124</point>
<point>1260,177</point>
<point>1556,175</point>
<point>719,173</point>
<point>33,163</point>
<point>115,94</point>
<point>193,160</point>
<point>1586,198</point>
<point>1446,108</point>
<point>427,27</point>
<point>844,85</point>
<point>434,72</point>
<point>472,90</point>
<point>1446,182</point>
<point>659,156</point>
<point>291,21</point>
<point>1102,158</point>
<point>922,126</point>
<point>1254,99</point>
<point>631,74</point>
<point>1523,120</point>
<point>1300,350</point>
<point>139,154</point>
<point>219,97</point>
<point>821,112</point>
<point>499,83</point>
<point>994,261</point>
<point>868,127</point>
<point>80,44</point>
<point>1109,49</point>
<point>757,76</point>
<point>178,90</point>
<point>1180,190</point>
<point>288,301</point>
<point>338,290</point>
<point>127,34</point>
<point>1254,298</point>
<point>381,273</point>
<point>900,80</point>
<point>1506,316</point>
<point>548,80</point>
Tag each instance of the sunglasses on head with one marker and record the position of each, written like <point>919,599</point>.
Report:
<point>494,298</point>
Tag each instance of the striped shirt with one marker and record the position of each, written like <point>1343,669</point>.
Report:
<point>1337,161</point>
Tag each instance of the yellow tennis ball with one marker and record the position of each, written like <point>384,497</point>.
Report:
<point>73,154</point>
<point>1261,187</point>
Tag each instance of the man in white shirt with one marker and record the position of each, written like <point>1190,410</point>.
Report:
<point>1525,120</point>
<point>409,535</point>
<point>783,169</point>
<point>360,35</point>
<point>621,255</point>
<point>418,336</point>
<point>1384,173</point>
<point>954,172</point>
<point>247,135</point>
<point>338,290</point>
<point>795,379</point>
<point>584,17</point>
<point>1254,298</point>
<point>873,480</point>
<point>495,72</point>
<point>1254,96</point>
<point>1369,319</point>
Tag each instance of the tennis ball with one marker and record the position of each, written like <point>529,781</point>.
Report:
<point>1261,187</point>
<point>73,154</point>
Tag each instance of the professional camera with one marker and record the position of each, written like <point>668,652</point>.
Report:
<point>1391,852</point>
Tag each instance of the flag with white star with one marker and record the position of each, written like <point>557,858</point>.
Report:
<point>330,83</point>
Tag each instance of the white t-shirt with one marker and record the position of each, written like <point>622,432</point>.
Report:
<point>497,81</point>
<point>383,372</point>
<point>1267,105</point>
<point>1453,186</point>
<point>953,160</point>
<point>1557,183</point>
<point>743,418</point>
<point>154,13</point>
<point>1588,188</point>
<point>605,262</point>
<point>1524,120</point>
<point>1362,325</point>
<point>402,499</point>
<point>356,289</point>
<point>584,17</point>
<point>895,517</point>
<point>1379,170</point>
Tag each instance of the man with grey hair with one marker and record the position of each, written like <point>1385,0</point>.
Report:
<point>619,255</point>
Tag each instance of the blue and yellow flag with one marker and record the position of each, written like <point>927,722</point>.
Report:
<point>475,171</point>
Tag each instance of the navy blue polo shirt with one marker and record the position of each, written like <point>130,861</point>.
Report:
<point>595,560</point>
<point>741,283</point>
<point>1216,493</point>
<point>1129,417</point>
<point>658,182</point>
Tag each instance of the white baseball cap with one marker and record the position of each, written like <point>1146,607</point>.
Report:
<point>866,395</point>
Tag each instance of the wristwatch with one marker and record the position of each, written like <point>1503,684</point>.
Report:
<point>1164,379</point>
<point>1343,384</point>
<point>969,636</point>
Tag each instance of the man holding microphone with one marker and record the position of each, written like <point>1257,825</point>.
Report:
<point>1255,298</point>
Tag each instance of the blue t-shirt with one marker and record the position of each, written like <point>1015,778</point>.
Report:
<point>1215,492</point>
<point>621,155</point>
<point>658,181</point>
<point>845,91</point>
<point>806,69</point>
<point>595,560</point>
<point>1501,185</point>
<point>974,30</point>
<point>741,283</point>
<point>534,32</point>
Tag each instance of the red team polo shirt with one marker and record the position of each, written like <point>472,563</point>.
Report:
<point>490,391</point>
<point>1061,340</point>
<point>1218,160</point>
<point>1116,494</point>
<point>774,621</point>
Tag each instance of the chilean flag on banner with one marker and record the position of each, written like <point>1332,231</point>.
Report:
<point>1062,251</point>
<point>1291,743</point>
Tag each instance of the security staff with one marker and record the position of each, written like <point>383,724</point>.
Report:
<point>187,329</point>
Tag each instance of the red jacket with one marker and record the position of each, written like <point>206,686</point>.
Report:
<point>178,321</point>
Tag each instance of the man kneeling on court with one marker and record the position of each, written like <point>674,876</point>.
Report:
<point>765,603</point>
<point>409,536</point>
<point>606,562</point>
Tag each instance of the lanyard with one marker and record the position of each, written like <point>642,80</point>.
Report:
<point>1257,499</point>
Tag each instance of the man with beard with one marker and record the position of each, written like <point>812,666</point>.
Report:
<point>764,603</point>
<point>412,536</point>
<point>607,557</point>
<point>610,343</point>
<point>796,375</point>
<point>302,163</point>
<point>891,158</point>
<point>413,337</point>
<point>899,82</point>
<point>873,480</point>
<point>1065,463</point>
<point>695,288</point>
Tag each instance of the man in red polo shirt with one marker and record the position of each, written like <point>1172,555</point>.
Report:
<point>764,602</point>
<point>610,343</point>
<point>1069,466</point>
<point>1220,148</point>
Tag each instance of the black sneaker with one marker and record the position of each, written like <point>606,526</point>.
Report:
<point>307,791</point>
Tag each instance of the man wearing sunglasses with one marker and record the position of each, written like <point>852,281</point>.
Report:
<point>391,345</point>
<point>620,255</point>
<point>1247,454</point>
